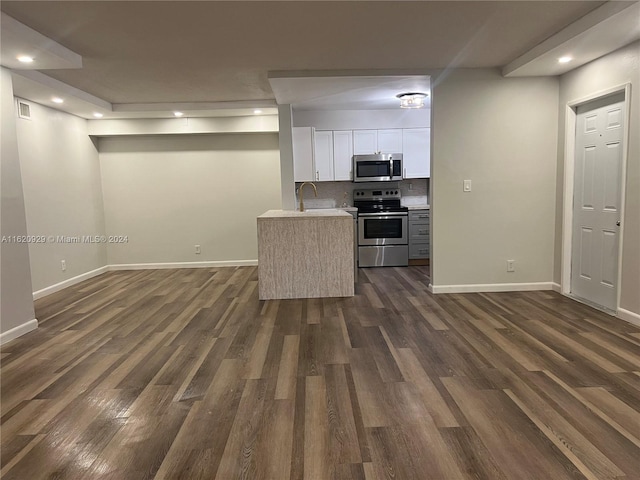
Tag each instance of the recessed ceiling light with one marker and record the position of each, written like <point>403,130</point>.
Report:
<point>257,111</point>
<point>178,114</point>
<point>25,59</point>
<point>98,115</point>
<point>564,59</point>
<point>57,100</point>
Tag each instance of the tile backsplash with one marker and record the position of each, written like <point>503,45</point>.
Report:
<point>334,194</point>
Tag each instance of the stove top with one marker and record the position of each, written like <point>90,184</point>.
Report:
<point>381,208</point>
<point>378,200</point>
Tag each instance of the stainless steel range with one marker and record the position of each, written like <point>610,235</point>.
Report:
<point>383,238</point>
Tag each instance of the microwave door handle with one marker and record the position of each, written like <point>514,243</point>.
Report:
<point>390,168</point>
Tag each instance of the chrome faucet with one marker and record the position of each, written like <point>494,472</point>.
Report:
<point>315,190</point>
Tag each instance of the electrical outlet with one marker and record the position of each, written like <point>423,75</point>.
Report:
<point>466,185</point>
<point>511,266</point>
<point>411,186</point>
<point>63,264</point>
<point>198,251</point>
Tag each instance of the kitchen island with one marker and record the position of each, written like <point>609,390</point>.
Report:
<point>305,254</point>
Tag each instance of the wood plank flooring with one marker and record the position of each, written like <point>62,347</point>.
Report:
<point>185,374</point>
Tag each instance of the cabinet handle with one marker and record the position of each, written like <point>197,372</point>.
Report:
<point>404,175</point>
<point>317,175</point>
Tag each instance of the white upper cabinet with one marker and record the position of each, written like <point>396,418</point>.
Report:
<point>365,142</point>
<point>342,154</point>
<point>416,152</point>
<point>326,155</point>
<point>302,139</point>
<point>323,155</point>
<point>390,141</point>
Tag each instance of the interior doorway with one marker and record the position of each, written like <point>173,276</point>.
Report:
<point>595,164</point>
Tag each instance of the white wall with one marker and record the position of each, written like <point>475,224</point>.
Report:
<point>612,70</point>
<point>501,134</point>
<point>169,193</point>
<point>63,194</point>
<point>362,119</point>
<point>16,311</point>
<point>183,126</point>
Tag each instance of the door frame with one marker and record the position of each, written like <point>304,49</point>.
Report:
<point>569,173</point>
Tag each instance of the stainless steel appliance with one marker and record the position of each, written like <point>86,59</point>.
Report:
<point>383,238</point>
<point>381,167</point>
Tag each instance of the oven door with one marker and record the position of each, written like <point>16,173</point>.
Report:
<point>389,228</point>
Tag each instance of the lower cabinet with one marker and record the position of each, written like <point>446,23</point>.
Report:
<point>419,234</point>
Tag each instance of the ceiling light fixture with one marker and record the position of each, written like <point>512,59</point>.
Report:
<point>25,59</point>
<point>98,115</point>
<point>564,59</point>
<point>178,114</point>
<point>57,100</point>
<point>257,111</point>
<point>411,99</point>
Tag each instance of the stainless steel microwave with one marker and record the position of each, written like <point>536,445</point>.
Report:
<point>381,167</point>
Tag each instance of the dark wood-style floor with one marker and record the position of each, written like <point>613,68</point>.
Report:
<point>185,374</point>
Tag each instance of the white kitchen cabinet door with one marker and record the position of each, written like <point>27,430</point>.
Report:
<point>323,155</point>
<point>342,154</point>
<point>416,152</point>
<point>365,142</point>
<point>303,169</point>
<point>390,141</point>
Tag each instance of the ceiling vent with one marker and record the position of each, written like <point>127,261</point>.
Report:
<point>24,110</point>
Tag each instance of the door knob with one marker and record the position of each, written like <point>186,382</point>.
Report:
<point>618,223</point>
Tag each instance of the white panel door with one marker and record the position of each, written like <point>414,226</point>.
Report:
<point>323,155</point>
<point>342,154</point>
<point>390,141</point>
<point>416,152</point>
<point>365,142</point>
<point>596,202</point>
<point>303,170</point>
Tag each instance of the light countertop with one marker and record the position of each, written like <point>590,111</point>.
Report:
<point>416,202</point>
<point>419,207</point>
<point>311,213</point>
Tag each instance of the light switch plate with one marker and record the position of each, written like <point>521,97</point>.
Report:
<point>466,185</point>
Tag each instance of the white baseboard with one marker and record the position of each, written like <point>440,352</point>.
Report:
<point>430,288</point>
<point>138,266</point>
<point>492,287</point>
<point>157,266</point>
<point>556,287</point>
<point>69,282</point>
<point>18,331</point>
<point>629,316</point>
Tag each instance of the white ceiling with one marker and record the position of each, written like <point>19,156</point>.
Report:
<point>346,92</point>
<point>145,59</point>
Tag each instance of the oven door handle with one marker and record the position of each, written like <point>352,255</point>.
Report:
<point>385,214</point>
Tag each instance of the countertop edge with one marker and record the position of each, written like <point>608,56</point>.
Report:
<point>418,207</point>
<point>316,214</point>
